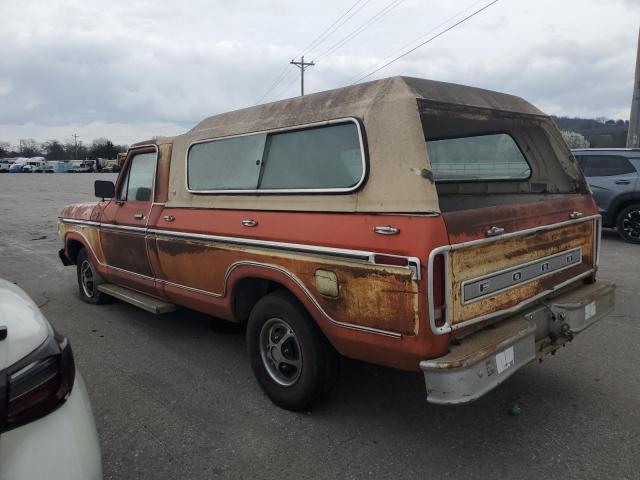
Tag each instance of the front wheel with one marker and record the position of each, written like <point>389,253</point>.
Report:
<point>88,280</point>
<point>628,223</point>
<point>292,360</point>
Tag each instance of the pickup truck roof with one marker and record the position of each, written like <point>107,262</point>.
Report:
<point>390,111</point>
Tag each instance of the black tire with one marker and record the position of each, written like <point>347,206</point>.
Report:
<point>628,223</point>
<point>88,280</point>
<point>319,362</point>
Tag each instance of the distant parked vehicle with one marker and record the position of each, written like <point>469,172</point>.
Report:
<point>613,175</point>
<point>18,165</point>
<point>44,167</point>
<point>5,164</point>
<point>82,167</point>
<point>59,166</point>
<point>110,166</point>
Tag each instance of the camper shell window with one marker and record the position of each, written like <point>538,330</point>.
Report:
<point>316,158</point>
<point>477,158</point>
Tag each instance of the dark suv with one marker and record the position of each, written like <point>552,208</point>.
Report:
<point>613,175</point>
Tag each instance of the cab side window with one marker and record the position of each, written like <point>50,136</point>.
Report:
<point>138,183</point>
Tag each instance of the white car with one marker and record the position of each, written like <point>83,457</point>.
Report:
<point>46,424</point>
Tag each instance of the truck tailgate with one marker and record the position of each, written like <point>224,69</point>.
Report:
<point>488,276</point>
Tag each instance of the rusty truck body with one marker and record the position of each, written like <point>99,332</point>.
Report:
<point>420,225</point>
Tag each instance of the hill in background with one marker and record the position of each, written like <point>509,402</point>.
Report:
<point>600,132</point>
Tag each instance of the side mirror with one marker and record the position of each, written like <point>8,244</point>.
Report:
<point>104,189</point>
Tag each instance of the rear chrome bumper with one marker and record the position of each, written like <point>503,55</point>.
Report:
<point>483,360</point>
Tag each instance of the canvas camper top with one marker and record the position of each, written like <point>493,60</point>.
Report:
<point>398,173</point>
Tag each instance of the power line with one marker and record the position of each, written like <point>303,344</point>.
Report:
<point>315,43</point>
<point>419,38</point>
<point>318,41</point>
<point>279,79</point>
<point>390,6</point>
<point>381,13</point>
<point>286,89</point>
<point>426,41</point>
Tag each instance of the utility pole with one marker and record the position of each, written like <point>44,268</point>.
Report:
<point>75,141</point>
<point>633,136</point>
<point>302,66</point>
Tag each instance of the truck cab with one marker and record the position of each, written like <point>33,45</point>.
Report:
<point>421,225</point>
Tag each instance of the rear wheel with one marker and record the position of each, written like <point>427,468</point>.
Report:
<point>292,360</point>
<point>88,280</point>
<point>628,223</point>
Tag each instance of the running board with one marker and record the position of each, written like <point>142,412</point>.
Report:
<point>137,299</point>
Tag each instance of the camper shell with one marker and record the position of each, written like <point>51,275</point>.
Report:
<point>404,241</point>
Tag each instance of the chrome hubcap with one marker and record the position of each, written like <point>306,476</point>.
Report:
<point>86,278</point>
<point>631,224</point>
<point>280,352</point>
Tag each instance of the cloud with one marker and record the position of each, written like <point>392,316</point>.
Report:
<point>123,68</point>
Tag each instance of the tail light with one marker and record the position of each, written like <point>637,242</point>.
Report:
<point>37,384</point>
<point>439,291</point>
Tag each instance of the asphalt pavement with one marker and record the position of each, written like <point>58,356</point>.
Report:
<point>174,396</point>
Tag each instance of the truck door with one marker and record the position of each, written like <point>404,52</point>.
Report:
<point>124,222</point>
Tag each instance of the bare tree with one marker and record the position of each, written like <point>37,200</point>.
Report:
<point>5,148</point>
<point>28,147</point>
<point>53,150</point>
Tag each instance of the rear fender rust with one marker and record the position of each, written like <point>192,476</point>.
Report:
<point>376,296</point>
<point>403,352</point>
<point>243,272</point>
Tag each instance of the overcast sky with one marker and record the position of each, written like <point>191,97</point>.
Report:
<point>129,70</point>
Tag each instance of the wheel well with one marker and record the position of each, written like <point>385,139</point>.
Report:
<point>246,294</point>
<point>624,204</point>
<point>73,249</point>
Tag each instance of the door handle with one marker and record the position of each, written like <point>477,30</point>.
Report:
<point>168,218</point>
<point>387,230</point>
<point>249,222</point>
<point>138,216</point>
<point>622,182</point>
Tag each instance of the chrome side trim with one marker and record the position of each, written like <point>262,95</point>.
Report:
<point>283,190</point>
<point>89,223</point>
<point>414,265</point>
<point>123,228</point>
<point>347,254</point>
<point>135,274</point>
<point>295,247</point>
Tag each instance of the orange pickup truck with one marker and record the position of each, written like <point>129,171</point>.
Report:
<point>416,224</point>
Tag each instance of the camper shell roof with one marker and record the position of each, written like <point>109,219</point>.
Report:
<point>399,177</point>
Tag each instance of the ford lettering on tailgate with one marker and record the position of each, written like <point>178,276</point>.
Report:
<point>478,288</point>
